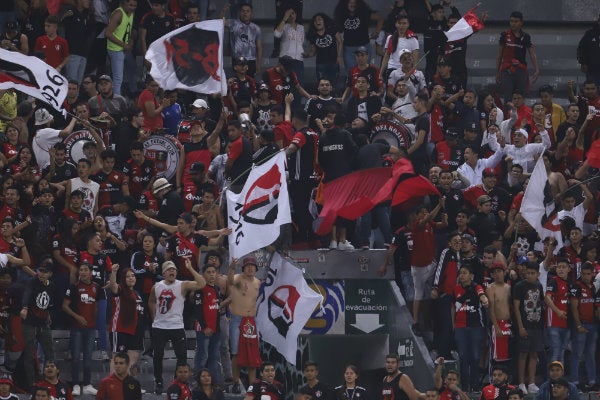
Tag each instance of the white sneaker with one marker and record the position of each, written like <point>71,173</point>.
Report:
<point>76,390</point>
<point>523,388</point>
<point>333,245</point>
<point>532,388</point>
<point>89,389</point>
<point>345,245</point>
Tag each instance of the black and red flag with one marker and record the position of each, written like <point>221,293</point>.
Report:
<point>190,58</point>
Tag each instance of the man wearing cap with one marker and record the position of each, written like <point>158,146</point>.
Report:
<point>13,40</point>
<point>484,222</point>
<point>38,300</point>
<point>414,79</point>
<point>450,154</point>
<point>155,24</point>
<point>166,302</point>
<point>6,385</point>
<point>242,86</point>
<point>192,194</point>
<point>363,68</point>
<point>523,153</point>
<point>203,145</point>
<point>46,137</point>
<point>245,38</point>
<point>556,372</point>
<point>473,167</point>
<point>445,78</point>
<point>243,334</point>
<point>108,99</point>
<point>170,202</point>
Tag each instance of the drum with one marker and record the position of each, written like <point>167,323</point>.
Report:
<point>164,151</point>
<point>393,132</point>
<point>74,144</point>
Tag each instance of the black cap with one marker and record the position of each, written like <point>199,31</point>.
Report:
<point>240,61</point>
<point>452,133</point>
<point>472,126</point>
<point>11,26</point>
<point>560,381</point>
<point>268,135</point>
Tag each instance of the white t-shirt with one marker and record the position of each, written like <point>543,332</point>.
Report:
<point>403,43</point>
<point>90,190</point>
<point>43,141</point>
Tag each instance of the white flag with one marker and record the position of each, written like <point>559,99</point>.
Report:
<point>538,207</point>
<point>257,212</point>
<point>285,304</point>
<point>466,26</point>
<point>190,58</point>
<point>32,76</point>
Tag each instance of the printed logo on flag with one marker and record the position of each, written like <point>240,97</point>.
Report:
<point>282,305</point>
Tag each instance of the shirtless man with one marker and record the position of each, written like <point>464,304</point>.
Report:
<point>244,289</point>
<point>498,294</point>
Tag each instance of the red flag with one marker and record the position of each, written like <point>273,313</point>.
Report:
<point>593,154</point>
<point>466,26</point>
<point>351,196</point>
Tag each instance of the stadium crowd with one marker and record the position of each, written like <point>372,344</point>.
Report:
<point>93,241</point>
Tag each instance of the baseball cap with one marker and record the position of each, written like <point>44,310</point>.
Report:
<point>488,172</point>
<point>46,265</point>
<point>240,61</point>
<point>168,265</point>
<point>42,116</point>
<point>198,166</point>
<point>523,260</point>
<point>264,86</point>
<point>403,52</point>
<point>498,265</point>
<point>452,133</point>
<point>267,134</point>
<point>556,364</point>
<point>560,381</point>
<point>186,216</point>
<point>472,126</point>
<point>11,26</point>
<point>105,78</point>
<point>200,103</point>
<point>6,378</point>
<point>469,238</point>
<point>523,132</point>
<point>362,49</point>
<point>483,199</point>
<point>248,261</point>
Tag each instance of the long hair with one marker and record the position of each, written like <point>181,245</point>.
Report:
<point>341,11</point>
<point>328,22</point>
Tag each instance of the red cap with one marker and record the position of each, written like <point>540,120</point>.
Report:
<point>488,172</point>
<point>498,265</point>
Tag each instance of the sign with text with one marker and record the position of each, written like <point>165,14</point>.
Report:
<point>367,306</point>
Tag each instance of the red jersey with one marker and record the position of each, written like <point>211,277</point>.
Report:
<point>111,185</point>
<point>83,298</point>
<point>113,388</point>
<point>101,267</point>
<point>588,301</point>
<point>468,305</point>
<point>179,391</point>
<point>81,216</point>
<point>140,264</point>
<point>194,152</point>
<point>206,308</point>
<point>284,131</point>
<point>150,123</point>
<point>436,123</point>
<point>423,244</point>
<point>279,86</point>
<point>16,214</point>
<point>181,247</point>
<point>559,289</point>
<point>139,176</point>
<point>9,150</point>
<point>493,392</point>
<point>68,251</point>
<point>127,307</point>
<point>372,74</point>
<point>147,202</point>
<point>55,50</point>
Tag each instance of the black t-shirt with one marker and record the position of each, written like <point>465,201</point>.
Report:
<point>62,173</point>
<point>531,298</point>
<point>321,391</point>
<point>336,153</point>
<point>370,155</point>
<point>316,108</point>
<point>355,27</point>
<point>403,241</point>
<point>422,123</point>
<point>326,45</point>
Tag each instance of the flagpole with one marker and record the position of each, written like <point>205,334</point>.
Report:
<point>304,272</point>
<point>579,184</point>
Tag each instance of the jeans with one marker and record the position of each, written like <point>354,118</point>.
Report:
<point>558,339</point>
<point>234,334</point>
<point>160,337</point>
<point>298,68</point>
<point>519,79</point>
<point>584,345</point>
<point>468,342</point>
<point>224,348</point>
<point>43,334</point>
<point>381,215</point>
<point>101,325</point>
<point>117,64</point>
<point>76,67</point>
<point>350,58</point>
<point>82,341</point>
<point>208,354</point>
<point>329,71</point>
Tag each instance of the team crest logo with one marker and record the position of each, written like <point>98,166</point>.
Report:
<point>260,204</point>
<point>194,54</point>
<point>164,151</point>
<point>282,305</point>
<point>74,144</point>
<point>249,330</point>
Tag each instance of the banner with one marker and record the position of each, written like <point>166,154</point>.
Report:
<point>465,27</point>
<point>284,305</point>
<point>190,58</point>
<point>257,212</point>
<point>538,206</point>
<point>32,76</point>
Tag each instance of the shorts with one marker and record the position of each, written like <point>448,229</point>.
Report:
<point>534,342</point>
<point>500,349</point>
<point>122,342</point>
<point>421,276</point>
<point>234,334</point>
<point>248,345</point>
